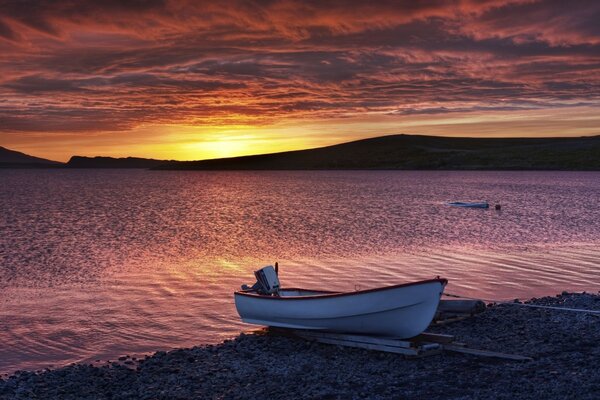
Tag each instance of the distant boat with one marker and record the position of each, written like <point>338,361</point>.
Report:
<point>474,204</point>
<point>402,311</point>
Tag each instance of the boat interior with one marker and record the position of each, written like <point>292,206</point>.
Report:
<point>294,292</point>
<point>302,292</point>
<point>267,284</point>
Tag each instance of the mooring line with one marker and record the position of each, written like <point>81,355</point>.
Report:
<point>581,310</point>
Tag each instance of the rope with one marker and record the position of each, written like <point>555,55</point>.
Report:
<point>581,310</point>
<point>594,312</point>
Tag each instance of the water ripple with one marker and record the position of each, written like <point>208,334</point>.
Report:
<point>95,264</point>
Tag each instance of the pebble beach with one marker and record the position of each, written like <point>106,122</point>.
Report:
<point>564,347</point>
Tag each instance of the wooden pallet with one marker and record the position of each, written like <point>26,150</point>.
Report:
<point>426,344</point>
<point>390,345</point>
<point>444,319</point>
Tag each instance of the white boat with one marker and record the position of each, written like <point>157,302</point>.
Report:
<point>401,311</point>
<point>472,204</point>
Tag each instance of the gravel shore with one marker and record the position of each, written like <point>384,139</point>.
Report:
<point>565,347</point>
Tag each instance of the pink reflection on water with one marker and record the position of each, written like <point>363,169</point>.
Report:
<point>97,264</point>
<point>147,309</point>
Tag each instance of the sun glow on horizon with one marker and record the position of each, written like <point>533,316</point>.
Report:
<point>197,142</point>
<point>188,143</point>
<point>191,142</point>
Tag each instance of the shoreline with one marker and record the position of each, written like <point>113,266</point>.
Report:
<point>563,345</point>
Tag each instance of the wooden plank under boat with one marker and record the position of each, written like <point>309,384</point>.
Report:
<point>402,311</point>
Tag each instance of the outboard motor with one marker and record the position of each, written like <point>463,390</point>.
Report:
<point>267,281</point>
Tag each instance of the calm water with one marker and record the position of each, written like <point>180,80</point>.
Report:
<point>96,264</point>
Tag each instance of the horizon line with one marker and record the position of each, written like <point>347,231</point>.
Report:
<point>310,148</point>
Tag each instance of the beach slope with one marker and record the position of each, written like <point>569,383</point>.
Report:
<point>563,345</point>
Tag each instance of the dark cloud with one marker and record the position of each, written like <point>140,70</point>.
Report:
<point>35,84</point>
<point>7,32</point>
<point>48,16</point>
<point>67,120</point>
<point>113,65</point>
<point>558,23</point>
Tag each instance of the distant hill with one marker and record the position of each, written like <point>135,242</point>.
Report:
<point>403,152</point>
<point>110,162</point>
<point>16,159</point>
<point>422,152</point>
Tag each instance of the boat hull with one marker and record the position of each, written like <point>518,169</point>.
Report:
<point>401,311</point>
<point>469,205</point>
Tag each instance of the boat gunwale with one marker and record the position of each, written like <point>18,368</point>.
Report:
<point>329,294</point>
<point>471,204</point>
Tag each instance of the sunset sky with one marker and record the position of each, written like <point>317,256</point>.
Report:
<point>177,79</point>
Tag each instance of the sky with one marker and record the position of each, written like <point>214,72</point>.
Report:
<point>188,80</point>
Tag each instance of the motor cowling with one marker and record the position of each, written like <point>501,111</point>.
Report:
<point>267,280</point>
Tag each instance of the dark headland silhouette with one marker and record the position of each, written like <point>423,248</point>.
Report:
<point>407,152</point>
<point>402,152</point>
<point>16,159</point>
<point>111,162</point>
